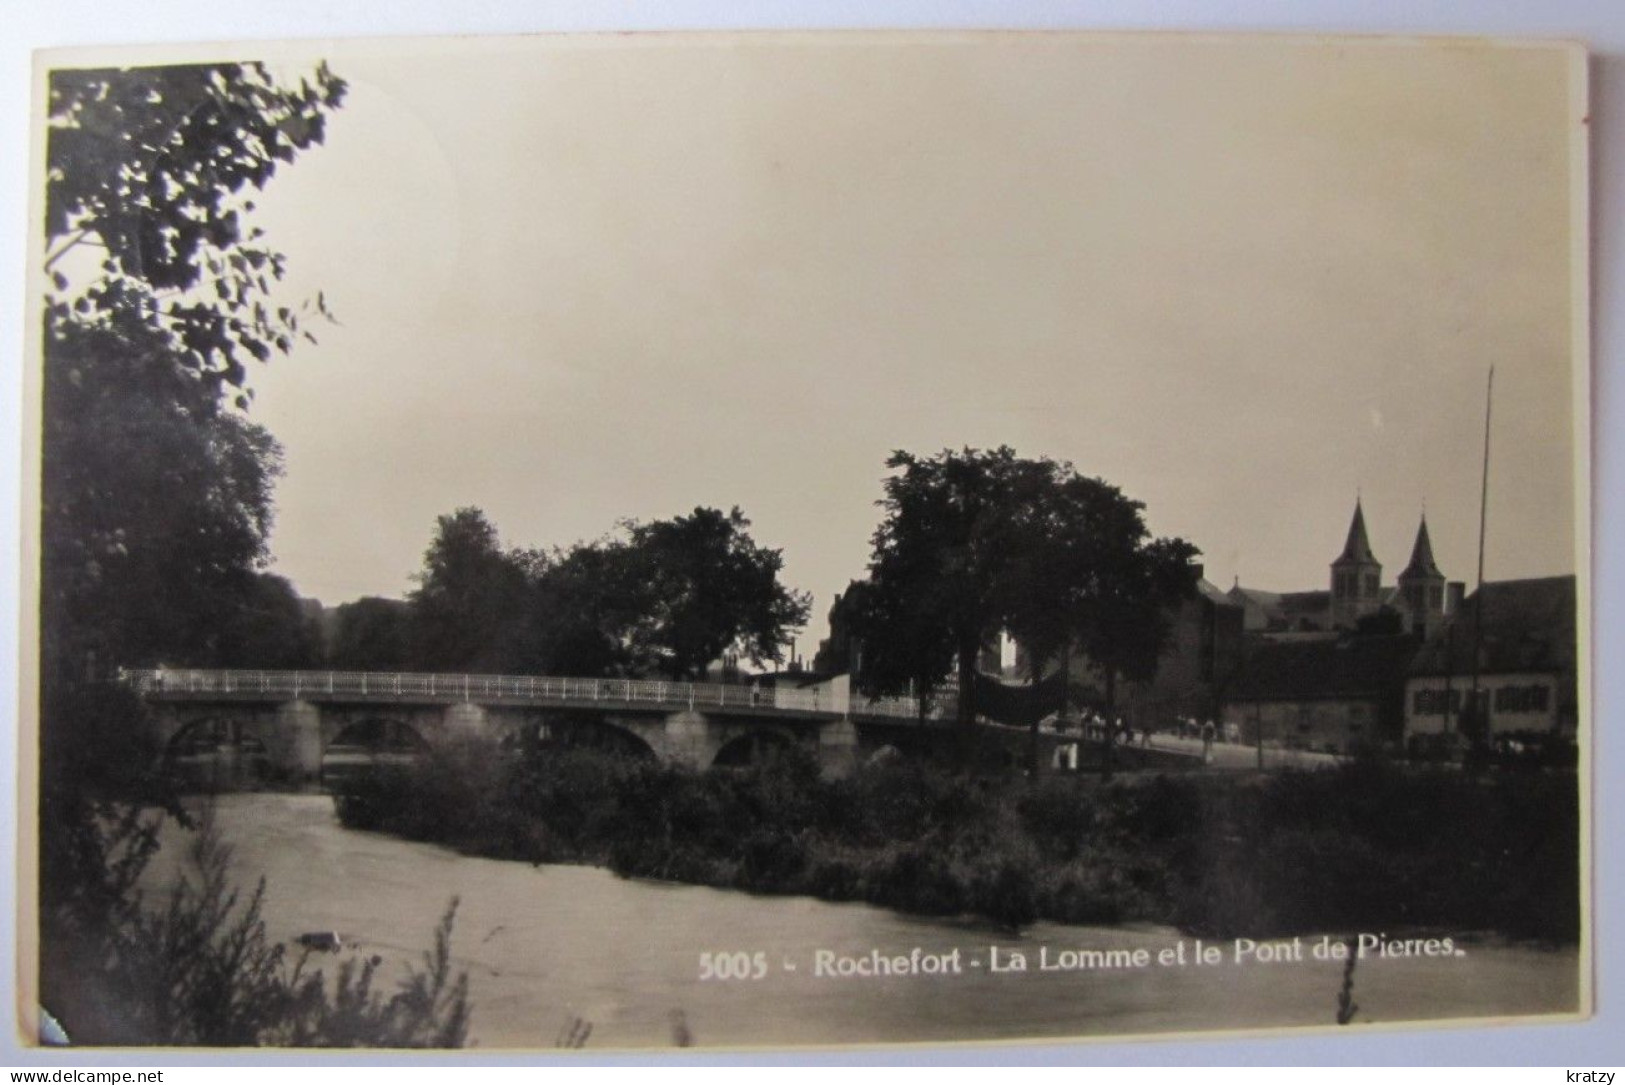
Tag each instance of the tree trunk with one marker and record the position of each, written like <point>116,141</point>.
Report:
<point>964,725</point>
<point>1036,675</point>
<point>1108,754</point>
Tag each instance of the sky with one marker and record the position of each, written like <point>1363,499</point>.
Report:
<point>1245,280</point>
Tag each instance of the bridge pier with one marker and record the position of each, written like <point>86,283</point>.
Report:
<point>465,720</point>
<point>688,740</point>
<point>295,745</point>
<point>838,748</point>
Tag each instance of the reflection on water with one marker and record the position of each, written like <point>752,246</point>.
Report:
<point>545,945</point>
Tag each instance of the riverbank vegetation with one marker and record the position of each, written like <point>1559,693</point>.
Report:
<point>196,967</point>
<point>1364,846</point>
<point>156,503</point>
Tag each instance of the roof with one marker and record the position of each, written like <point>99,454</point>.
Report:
<point>1211,591</point>
<point>1529,625</point>
<point>1266,599</point>
<point>1305,602</point>
<point>1357,550</point>
<point>1422,564</point>
<point>1323,668</point>
<point>1293,610</point>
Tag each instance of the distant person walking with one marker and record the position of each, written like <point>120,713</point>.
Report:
<point>1208,732</point>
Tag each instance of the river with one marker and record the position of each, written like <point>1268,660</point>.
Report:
<point>546,945</point>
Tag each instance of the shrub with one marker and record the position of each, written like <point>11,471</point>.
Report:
<point>201,971</point>
<point>1363,845</point>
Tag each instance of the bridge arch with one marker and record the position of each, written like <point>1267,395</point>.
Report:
<point>756,746</point>
<point>369,743</point>
<point>383,734</point>
<point>575,731</point>
<point>217,753</point>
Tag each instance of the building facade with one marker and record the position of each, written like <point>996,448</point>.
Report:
<point>1334,693</point>
<point>1356,596</point>
<point>1515,642</point>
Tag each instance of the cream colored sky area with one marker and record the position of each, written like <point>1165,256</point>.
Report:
<point>1240,279</point>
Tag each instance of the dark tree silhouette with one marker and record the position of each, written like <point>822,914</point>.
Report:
<point>154,506</point>
<point>1124,625</point>
<point>583,608</point>
<point>273,628</point>
<point>942,561</point>
<point>151,170</point>
<point>470,600</point>
<point>372,634</point>
<point>705,587</point>
<point>977,542</point>
<point>156,498</point>
<point>156,492</point>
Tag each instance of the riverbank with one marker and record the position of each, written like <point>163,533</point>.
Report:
<point>1360,847</point>
<point>548,946</point>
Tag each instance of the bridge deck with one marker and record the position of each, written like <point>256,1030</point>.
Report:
<point>601,694</point>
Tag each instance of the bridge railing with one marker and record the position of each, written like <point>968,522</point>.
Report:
<point>498,688</point>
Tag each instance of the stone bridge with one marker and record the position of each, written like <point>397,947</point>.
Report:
<point>298,727</point>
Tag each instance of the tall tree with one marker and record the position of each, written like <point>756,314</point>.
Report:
<point>903,646</point>
<point>156,495</point>
<point>470,599</point>
<point>155,506</point>
<point>979,542</point>
<point>1124,627</point>
<point>273,628</point>
<point>584,605</point>
<point>152,170</point>
<point>156,498</point>
<point>707,587</point>
<point>943,557</point>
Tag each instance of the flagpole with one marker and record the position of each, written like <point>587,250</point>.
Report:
<point>1481,727</point>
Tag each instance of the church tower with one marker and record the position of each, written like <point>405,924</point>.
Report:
<point>1356,577</point>
<point>1421,587</point>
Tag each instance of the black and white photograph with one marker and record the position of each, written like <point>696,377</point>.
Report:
<point>805,540</point>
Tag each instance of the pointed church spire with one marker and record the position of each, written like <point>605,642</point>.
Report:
<point>1422,563</point>
<point>1358,548</point>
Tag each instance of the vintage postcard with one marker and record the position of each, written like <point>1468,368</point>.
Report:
<point>782,540</point>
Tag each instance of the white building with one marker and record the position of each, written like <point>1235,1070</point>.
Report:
<point>1525,666</point>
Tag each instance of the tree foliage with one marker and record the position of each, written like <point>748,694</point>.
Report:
<point>271,628</point>
<point>706,587</point>
<point>470,598</point>
<point>156,492</point>
<point>371,634</point>
<point>157,498</point>
<point>943,555</point>
<point>978,542</point>
<point>155,505</point>
<point>152,168</point>
<point>201,969</point>
<point>668,596</point>
<point>583,608</point>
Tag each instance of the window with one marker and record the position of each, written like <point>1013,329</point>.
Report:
<point>1432,702</point>
<point>1533,698</point>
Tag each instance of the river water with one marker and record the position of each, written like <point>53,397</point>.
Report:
<point>544,946</point>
